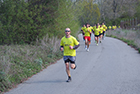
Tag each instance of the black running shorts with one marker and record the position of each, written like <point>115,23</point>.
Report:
<point>70,59</point>
<point>96,35</point>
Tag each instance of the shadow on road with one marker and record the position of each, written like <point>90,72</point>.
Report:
<point>51,81</point>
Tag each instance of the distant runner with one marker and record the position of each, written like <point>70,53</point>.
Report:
<point>87,37</point>
<point>104,30</point>
<point>101,33</point>
<point>83,31</point>
<point>96,32</point>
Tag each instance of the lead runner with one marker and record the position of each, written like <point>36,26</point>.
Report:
<point>69,44</point>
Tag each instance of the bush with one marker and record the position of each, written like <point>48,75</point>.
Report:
<point>139,50</point>
<point>24,22</point>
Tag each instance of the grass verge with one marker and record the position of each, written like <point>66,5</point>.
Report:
<point>126,37</point>
<point>19,62</point>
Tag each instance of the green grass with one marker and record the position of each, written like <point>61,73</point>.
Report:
<point>18,62</point>
<point>125,35</point>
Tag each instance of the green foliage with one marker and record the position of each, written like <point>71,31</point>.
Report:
<point>18,62</point>
<point>65,18</point>
<point>24,22</point>
<point>87,12</point>
<point>4,83</point>
<point>139,50</point>
<point>137,9</point>
<point>91,12</point>
<point>113,11</point>
<point>112,21</point>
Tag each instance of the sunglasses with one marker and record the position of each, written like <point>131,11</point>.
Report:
<point>67,30</point>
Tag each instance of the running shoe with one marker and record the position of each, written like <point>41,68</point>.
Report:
<point>88,50</point>
<point>75,66</point>
<point>100,41</point>
<point>69,79</point>
<point>97,44</point>
<point>85,47</point>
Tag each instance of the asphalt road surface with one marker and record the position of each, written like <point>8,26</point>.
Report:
<point>112,67</point>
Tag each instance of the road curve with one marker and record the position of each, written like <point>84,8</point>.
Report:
<point>112,67</point>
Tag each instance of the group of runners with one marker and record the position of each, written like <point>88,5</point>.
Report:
<point>97,30</point>
<point>69,44</point>
<point>114,27</point>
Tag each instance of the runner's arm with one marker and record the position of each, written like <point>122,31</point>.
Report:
<point>76,46</point>
<point>61,48</point>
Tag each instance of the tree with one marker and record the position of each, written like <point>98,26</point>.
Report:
<point>87,11</point>
<point>113,9</point>
<point>24,22</point>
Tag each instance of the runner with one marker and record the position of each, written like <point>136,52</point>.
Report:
<point>69,44</point>
<point>96,33</point>
<point>83,31</point>
<point>101,33</point>
<point>98,25</point>
<point>113,27</point>
<point>91,36</point>
<point>109,27</point>
<point>104,30</point>
<point>91,29</point>
<point>94,27</point>
<point>87,37</point>
<point>119,27</point>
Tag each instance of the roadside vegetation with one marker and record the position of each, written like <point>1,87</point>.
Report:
<point>131,37</point>
<point>18,62</point>
<point>30,35</point>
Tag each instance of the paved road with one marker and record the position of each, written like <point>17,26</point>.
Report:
<point>112,67</point>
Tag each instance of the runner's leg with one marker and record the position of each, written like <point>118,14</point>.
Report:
<point>86,43</point>
<point>100,38</point>
<point>73,66</point>
<point>68,72</point>
<point>97,40</point>
<point>67,69</point>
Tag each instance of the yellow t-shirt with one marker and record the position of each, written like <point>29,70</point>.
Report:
<point>94,27</point>
<point>104,27</point>
<point>83,28</point>
<point>109,27</point>
<point>66,42</point>
<point>97,30</point>
<point>87,33</point>
<point>113,27</point>
<point>101,29</point>
<point>91,28</point>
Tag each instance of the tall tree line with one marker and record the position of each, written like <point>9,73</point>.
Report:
<point>109,11</point>
<point>112,11</point>
<point>25,21</point>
